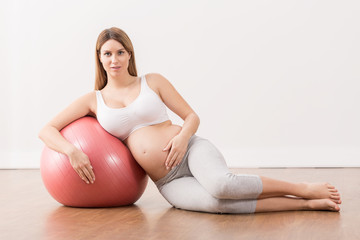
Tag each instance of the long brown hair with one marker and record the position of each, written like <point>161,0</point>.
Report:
<point>120,36</point>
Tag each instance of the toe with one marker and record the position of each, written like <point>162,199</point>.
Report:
<point>334,207</point>
<point>335,197</point>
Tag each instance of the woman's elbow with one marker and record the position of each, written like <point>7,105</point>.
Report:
<point>44,132</point>
<point>196,117</point>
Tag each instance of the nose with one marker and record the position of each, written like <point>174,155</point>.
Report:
<point>114,59</point>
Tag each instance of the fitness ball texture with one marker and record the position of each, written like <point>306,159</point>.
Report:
<point>119,180</point>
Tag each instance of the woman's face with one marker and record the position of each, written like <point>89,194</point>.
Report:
<point>114,57</point>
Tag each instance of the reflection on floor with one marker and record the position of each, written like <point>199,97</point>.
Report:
<point>28,212</point>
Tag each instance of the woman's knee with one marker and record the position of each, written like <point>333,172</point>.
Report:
<point>231,186</point>
<point>219,188</point>
<point>200,201</point>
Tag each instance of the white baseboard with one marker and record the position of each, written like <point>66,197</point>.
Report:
<point>238,157</point>
<point>19,160</point>
<point>292,157</point>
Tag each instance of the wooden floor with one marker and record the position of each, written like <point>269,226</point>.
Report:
<point>27,211</point>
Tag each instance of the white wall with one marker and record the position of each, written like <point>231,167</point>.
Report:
<point>276,83</point>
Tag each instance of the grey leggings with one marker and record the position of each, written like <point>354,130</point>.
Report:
<point>202,182</point>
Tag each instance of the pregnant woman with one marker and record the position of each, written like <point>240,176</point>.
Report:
<point>188,170</point>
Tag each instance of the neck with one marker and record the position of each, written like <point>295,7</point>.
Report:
<point>120,81</point>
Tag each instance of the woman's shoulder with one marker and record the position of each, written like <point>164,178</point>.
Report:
<point>152,74</point>
<point>156,79</point>
<point>158,83</point>
<point>89,99</point>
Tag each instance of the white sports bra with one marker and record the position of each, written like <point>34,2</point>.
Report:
<point>147,109</point>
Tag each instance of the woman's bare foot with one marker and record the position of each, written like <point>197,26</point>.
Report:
<point>323,204</point>
<point>294,204</point>
<point>321,191</point>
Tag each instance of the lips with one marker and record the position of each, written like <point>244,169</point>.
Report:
<point>115,68</point>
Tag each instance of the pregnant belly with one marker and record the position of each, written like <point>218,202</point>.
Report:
<point>146,145</point>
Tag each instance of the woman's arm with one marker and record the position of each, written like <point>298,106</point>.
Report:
<point>51,136</point>
<point>176,103</point>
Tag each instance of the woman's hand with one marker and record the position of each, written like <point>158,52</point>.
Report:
<point>177,147</point>
<point>81,164</point>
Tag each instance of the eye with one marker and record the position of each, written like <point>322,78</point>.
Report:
<point>107,54</point>
<point>121,52</point>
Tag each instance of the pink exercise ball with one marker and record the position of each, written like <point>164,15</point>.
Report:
<point>119,180</point>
